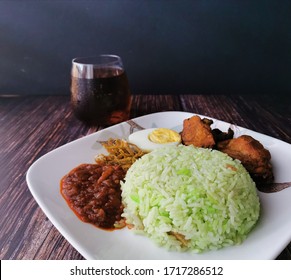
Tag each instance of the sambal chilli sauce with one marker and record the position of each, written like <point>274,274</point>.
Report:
<point>93,192</point>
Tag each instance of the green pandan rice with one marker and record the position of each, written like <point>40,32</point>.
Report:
<point>190,198</point>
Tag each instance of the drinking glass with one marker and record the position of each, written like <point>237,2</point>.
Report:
<point>100,93</point>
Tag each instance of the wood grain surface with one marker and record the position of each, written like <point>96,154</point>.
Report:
<point>31,126</point>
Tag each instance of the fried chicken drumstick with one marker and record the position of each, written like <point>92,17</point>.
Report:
<point>253,156</point>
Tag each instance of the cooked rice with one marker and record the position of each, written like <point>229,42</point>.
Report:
<point>190,198</point>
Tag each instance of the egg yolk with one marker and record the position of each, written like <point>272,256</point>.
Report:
<point>164,135</point>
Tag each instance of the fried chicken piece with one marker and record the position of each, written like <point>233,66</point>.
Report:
<point>197,132</point>
<point>218,135</point>
<point>253,156</point>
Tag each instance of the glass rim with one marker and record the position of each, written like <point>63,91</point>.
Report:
<point>97,60</point>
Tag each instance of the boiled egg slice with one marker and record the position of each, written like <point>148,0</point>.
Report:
<point>153,138</point>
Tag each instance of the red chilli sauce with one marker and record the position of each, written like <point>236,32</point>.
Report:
<point>93,192</point>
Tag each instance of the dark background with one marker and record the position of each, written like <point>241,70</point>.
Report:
<point>182,46</point>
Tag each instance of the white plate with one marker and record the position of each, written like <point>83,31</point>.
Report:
<point>270,236</point>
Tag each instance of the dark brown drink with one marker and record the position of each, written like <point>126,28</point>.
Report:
<point>103,100</point>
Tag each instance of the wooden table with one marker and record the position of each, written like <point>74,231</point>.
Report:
<point>31,126</point>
